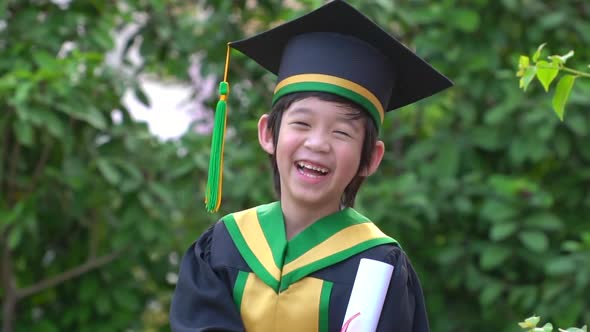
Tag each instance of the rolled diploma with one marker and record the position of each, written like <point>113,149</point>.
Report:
<point>368,294</point>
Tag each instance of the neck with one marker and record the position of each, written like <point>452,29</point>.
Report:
<point>299,216</point>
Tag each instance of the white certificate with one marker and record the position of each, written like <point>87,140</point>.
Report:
<point>367,297</point>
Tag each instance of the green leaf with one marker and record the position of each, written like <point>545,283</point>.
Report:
<point>553,19</point>
<point>159,5</point>
<point>448,160</point>
<point>497,210</point>
<point>3,6</point>
<point>534,240</point>
<point>491,293</point>
<point>557,62</point>
<point>162,192</point>
<point>88,113</point>
<point>83,313</point>
<point>511,186</point>
<point>141,96</point>
<point>545,221</point>
<point>146,200</point>
<point>546,73</point>
<point>562,93</point>
<point>48,119</point>
<point>449,255</point>
<point>561,266</point>
<point>22,92</point>
<point>8,217</point>
<point>52,122</point>
<point>553,289</point>
<point>95,118</point>
<point>103,304</point>
<point>463,19</point>
<point>102,36</point>
<point>15,237</point>
<point>486,137</point>
<point>131,168</point>
<point>182,168</point>
<point>493,256</point>
<point>89,290</point>
<point>108,171</point>
<point>499,232</point>
<point>8,82</point>
<point>45,60</point>
<point>527,77</point>
<point>24,132</point>
<point>46,326</point>
<point>126,299</point>
<point>523,64</point>
<point>148,231</point>
<point>571,246</point>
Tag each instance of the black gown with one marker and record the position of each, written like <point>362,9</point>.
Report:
<point>242,274</point>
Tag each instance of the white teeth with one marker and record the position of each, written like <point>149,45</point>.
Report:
<point>312,167</point>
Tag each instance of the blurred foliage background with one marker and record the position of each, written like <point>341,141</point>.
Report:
<point>486,190</point>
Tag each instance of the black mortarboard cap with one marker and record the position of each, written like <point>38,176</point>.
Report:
<point>334,49</point>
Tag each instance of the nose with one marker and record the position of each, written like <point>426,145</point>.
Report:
<point>317,141</point>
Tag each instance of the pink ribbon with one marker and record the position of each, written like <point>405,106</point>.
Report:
<point>347,323</point>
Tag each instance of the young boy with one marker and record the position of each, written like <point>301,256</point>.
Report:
<point>291,265</point>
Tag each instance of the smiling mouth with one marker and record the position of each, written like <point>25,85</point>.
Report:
<point>310,170</point>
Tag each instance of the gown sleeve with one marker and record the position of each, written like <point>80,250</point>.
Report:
<point>202,300</point>
<point>404,309</point>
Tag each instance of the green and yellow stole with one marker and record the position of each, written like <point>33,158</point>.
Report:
<point>278,295</point>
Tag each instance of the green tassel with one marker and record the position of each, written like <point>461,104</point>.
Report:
<point>215,177</point>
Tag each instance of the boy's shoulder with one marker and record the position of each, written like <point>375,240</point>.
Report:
<point>221,229</point>
<point>252,211</point>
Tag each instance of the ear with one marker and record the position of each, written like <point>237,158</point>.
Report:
<point>375,159</point>
<point>265,135</point>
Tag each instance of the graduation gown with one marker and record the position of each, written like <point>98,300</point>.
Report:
<point>242,274</point>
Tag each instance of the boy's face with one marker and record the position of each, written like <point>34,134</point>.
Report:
<point>318,152</point>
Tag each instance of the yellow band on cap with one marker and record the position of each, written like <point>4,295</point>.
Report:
<point>322,78</point>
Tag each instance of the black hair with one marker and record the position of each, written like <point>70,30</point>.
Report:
<point>356,112</point>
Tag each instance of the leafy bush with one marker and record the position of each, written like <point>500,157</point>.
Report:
<point>486,191</point>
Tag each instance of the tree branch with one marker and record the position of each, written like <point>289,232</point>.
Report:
<point>5,144</point>
<point>41,164</point>
<point>11,178</point>
<point>90,264</point>
<point>8,284</point>
<point>93,235</point>
<point>575,72</point>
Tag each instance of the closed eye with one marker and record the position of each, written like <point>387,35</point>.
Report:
<point>300,124</point>
<point>342,133</point>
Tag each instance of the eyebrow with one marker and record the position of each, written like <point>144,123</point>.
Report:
<point>343,117</point>
<point>303,110</point>
<point>355,123</point>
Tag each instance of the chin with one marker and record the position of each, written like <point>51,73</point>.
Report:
<point>315,199</point>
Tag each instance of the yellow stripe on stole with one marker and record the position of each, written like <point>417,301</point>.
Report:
<point>250,229</point>
<point>345,239</point>
<point>323,78</point>
<point>293,310</point>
